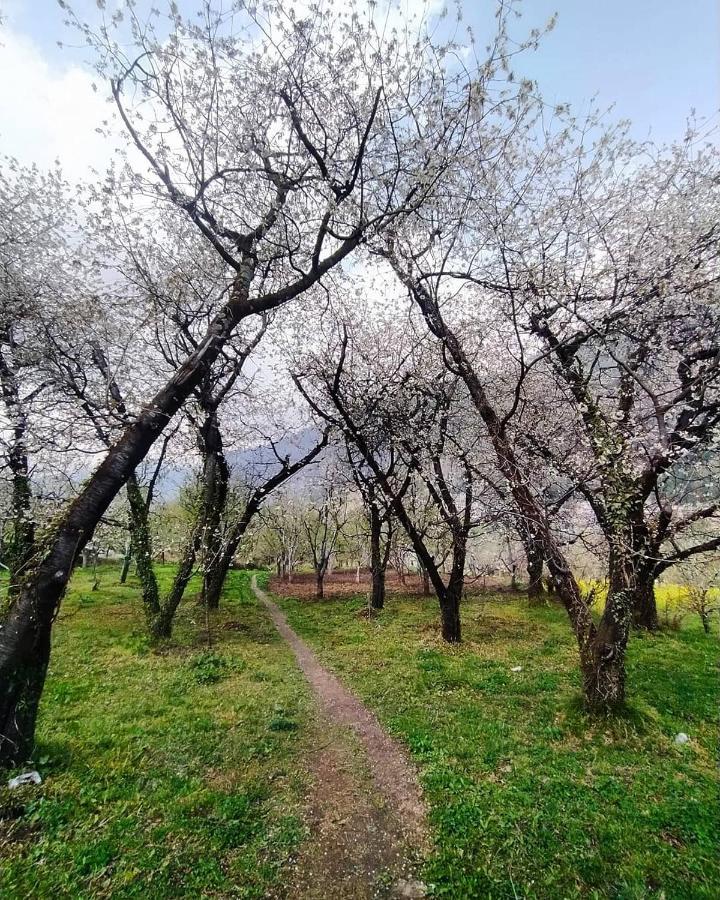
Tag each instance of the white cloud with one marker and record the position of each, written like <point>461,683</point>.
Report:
<point>49,112</point>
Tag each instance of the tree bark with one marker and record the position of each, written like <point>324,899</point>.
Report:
<point>20,692</point>
<point>645,614</point>
<point>605,670</point>
<point>450,614</point>
<point>214,579</point>
<point>141,548</point>
<point>377,569</point>
<point>535,570</point>
<point>216,475</point>
<point>127,558</point>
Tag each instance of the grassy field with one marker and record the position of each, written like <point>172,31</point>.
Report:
<point>167,775</point>
<point>529,797</point>
<point>180,773</point>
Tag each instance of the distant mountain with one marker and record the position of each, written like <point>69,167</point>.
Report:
<point>257,460</point>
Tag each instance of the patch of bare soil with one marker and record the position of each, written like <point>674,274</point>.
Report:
<point>344,583</point>
<point>366,814</point>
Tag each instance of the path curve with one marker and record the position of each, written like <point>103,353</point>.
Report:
<point>391,771</point>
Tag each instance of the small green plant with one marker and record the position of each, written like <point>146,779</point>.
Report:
<point>282,720</point>
<point>208,667</point>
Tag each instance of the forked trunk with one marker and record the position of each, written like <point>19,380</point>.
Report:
<point>162,623</point>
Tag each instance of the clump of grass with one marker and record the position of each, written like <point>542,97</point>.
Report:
<point>208,667</point>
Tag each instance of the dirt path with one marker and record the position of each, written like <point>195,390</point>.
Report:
<point>366,813</point>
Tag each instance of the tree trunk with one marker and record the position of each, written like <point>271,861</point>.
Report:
<point>604,668</point>
<point>20,546</point>
<point>162,624</point>
<point>20,693</point>
<point>377,600</point>
<point>604,664</point>
<point>215,490</point>
<point>320,582</point>
<point>127,557</point>
<point>425,575</point>
<point>141,548</point>
<point>215,578</point>
<point>535,561</point>
<point>645,614</point>
<point>450,615</point>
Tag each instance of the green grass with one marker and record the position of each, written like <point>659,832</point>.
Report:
<point>167,774</point>
<point>179,772</point>
<point>529,796</point>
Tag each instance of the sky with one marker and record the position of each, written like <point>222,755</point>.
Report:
<point>654,60</point>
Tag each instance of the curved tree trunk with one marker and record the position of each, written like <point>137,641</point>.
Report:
<point>161,625</point>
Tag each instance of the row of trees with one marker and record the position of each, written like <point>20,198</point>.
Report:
<point>498,314</point>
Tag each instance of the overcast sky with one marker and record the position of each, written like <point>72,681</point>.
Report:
<point>654,59</point>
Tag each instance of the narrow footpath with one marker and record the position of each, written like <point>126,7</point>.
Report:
<point>366,814</point>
